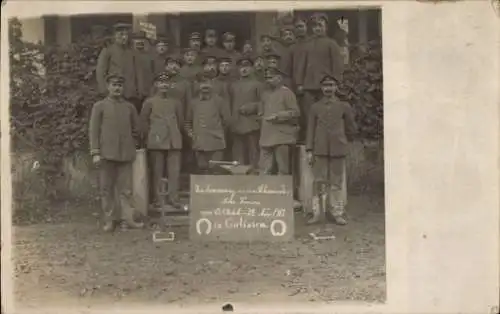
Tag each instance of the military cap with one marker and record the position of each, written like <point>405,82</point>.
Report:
<point>248,42</point>
<point>203,77</point>
<point>244,60</point>
<point>162,77</point>
<point>269,72</point>
<point>208,57</point>
<point>139,36</point>
<point>210,32</point>
<point>115,77</point>
<point>272,55</point>
<point>266,36</point>
<point>287,27</point>
<point>195,35</point>
<point>122,27</point>
<point>161,39</point>
<point>174,58</point>
<point>225,59</point>
<point>299,19</point>
<point>316,17</point>
<point>228,36</point>
<point>328,78</point>
<point>188,49</point>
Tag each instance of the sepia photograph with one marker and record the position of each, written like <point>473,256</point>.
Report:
<point>198,157</point>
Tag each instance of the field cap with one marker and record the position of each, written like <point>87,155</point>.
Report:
<point>327,78</point>
<point>121,27</point>
<point>316,17</point>
<point>272,55</point>
<point>287,27</point>
<point>175,58</point>
<point>270,72</point>
<point>244,61</point>
<point>266,36</point>
<point>115,77</point>
<point>195,36</point>
<point>162,40</point>
<point>228,36</point>
<point>225,59</point>
<point>207,58</point>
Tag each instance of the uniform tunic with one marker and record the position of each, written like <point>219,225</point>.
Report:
<point>159,62</point>
<point>145,71</point>
<point>113,130</point>
<point>297,63</point>
<point>283,103</point>
<point>162,119</point>
<point>246,92</point>
<point>117,60</point>
<point>330,124</point>
<point>323,57</point>
<point>211,51</point>
<point>189,72</point>
<point>235,56</point>
<point>208,119</point>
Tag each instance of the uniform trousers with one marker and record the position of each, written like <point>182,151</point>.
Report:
<point>246,148</point>
<point>278,155</point>
<point>115,178</point>
<point>169,160</point>
<point>330,173</point>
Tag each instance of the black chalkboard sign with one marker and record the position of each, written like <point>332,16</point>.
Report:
<point>241,208</point>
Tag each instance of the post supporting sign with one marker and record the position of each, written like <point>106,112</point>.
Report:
<point>241,208</point>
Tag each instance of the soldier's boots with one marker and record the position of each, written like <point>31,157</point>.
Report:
<point>108,226</point>
<point>316,213</point>
<point>125,225</point>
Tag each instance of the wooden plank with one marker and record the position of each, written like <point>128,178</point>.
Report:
<point>140,182</point>
<point>241,208</point>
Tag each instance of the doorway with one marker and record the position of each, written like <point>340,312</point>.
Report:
<point>239,23</point>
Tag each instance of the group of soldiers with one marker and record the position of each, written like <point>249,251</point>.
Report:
<point>208,103</point>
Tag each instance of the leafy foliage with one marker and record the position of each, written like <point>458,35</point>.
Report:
<point>362,87</point>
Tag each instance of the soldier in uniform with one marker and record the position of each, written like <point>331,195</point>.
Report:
<point>207,120</point>
<point>229,43</point>
<point>279,112</point>
<point>113,134</point>
<point>190,67</point>
<point>195,41</point>
<point>160,54</point>
<point>330,126</point>
<point>144,68</point>
<point>246,97</point>
<point>224,78</point>
<point>211,44</point>
<point>266,44</point>
<point>297,67</point>
<point>162,118</point>
<point>119,58</point>
<point>287,41</point>
<point>259,66</point>
<point>323,55</point>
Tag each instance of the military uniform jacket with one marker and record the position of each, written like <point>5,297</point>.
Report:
<point>159,62</point>
<point>162,119</point>
<point>145,72</point>
<point>246,92</point>
<point>323,56</point>
<point>208,119</point>
<point>331,123</point>
<point>211,51</point>
<point>283,103</point>
<point>221,86</point>
<point>118,60</point>
<point>113,130</point>
<point>189,72</point>
<point>297,62</point>
<point>235,56</point>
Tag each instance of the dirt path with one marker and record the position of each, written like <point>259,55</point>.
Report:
<point>74,263</point>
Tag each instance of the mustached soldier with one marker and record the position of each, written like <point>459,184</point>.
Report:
<point>207,120</point>
<point>162,118</point>
<point>162,51</point>
<point>113,134</point>
<point>211,47</point>
<point>330,126</point>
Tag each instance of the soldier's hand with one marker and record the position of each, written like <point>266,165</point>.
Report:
<point>96,159</point>
<point>310,158</point>
<point>300,89</point>
<point>272,117</point>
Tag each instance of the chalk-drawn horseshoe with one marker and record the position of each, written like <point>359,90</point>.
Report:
<point>207,222</point>
<point>273,228</point>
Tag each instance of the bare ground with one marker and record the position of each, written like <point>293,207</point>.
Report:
<point>70,260</point>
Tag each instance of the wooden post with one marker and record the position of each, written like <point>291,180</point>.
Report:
<point>306,179</point>
<point>363,28</point>
<point>140,182</point>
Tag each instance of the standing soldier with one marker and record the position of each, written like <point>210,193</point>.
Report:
<point>119,58</point>
<point>287,41</point>
<point>224,79</point>
<point>330,126</point>
<point>247,48</point>
<point>229,43</point>
<point>211,44</point>
<point>246,97</point>
<point>207,119</point>
<point>279,112</point>
<point>162,118</point>
<point>113,134</point>
<point>323,56</point>
<point>190,68</point>
<point>195,41</point>
<point>297,67</point>
<point>161,53</point>
<point>266,44</point>
<point>144,69</point>
<point>258,68</point>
